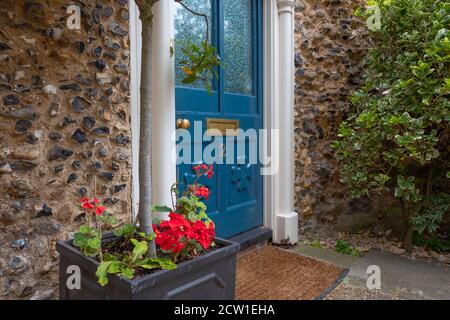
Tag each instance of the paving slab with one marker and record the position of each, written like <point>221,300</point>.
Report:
<point>324,255</point>
<point>428,279</point>
<point>401,278</point>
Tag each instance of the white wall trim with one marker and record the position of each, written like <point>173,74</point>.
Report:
<point>163,101</point>
<point>135,61</point>
<point>282,184</point>
<point>271,92</point>
<point>164,168</point>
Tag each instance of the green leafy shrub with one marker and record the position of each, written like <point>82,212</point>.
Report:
<point>344,247</point>
<point>395,140</point>
<point>433,242</point>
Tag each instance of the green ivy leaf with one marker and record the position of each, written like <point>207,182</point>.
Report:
<point>441,34</point>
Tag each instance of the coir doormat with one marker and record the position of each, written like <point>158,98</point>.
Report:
<point>271,273</point>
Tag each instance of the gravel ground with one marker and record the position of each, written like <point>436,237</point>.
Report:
<point>355,289</point>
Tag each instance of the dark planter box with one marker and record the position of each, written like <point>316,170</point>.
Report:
<point>211,276</point>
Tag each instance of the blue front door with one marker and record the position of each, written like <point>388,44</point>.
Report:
<point>236,31</point>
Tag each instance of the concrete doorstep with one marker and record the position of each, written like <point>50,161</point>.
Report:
<point>401,278</point>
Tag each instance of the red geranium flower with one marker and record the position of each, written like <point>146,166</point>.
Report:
<point>199,232</point>
<point>202,192</point>
<point>178,233</point>
<point>202,169</point>
<point>210,172</point>
<point>171,234</point>
<point>88,204</point>
<point>199,168</point>
<point>166,240</point>
<point>212,230</point>
<point>99,210</point>
<point>178,221</point>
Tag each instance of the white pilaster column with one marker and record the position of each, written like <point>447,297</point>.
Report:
<point>163,107</point>
<point>286,219</point>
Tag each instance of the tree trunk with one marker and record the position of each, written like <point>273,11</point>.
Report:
<point>145,190</point>
<point>407,241</point>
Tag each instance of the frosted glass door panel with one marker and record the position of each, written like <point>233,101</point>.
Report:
<point>238,46</point>
<point>189,27</point>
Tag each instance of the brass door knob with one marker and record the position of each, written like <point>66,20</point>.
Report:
<point>183,124</point>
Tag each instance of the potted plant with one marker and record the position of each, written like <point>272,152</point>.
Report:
<point>190,262</point>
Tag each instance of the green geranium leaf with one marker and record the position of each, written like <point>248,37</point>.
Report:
<point>161,209</point>
<point>149,264</point>
<point>167,264</point>
<point>109,257</point>
<point>127,273</point>
<point>140,249</point>
<point>102,272</point>
<point>115,267</point>
<point>84,229</point>
<point>94,243</point>
<point>111,220</point>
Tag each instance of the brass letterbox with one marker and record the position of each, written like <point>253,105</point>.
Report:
<point>222,127</point>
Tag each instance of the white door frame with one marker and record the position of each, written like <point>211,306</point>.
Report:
<point>278,109</point>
